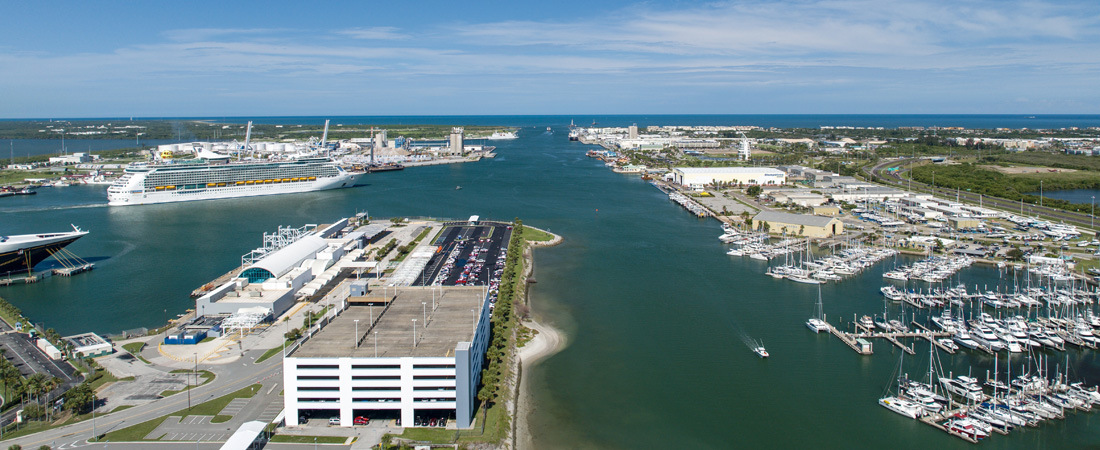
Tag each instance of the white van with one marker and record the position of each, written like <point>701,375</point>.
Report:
<point>334,421</point>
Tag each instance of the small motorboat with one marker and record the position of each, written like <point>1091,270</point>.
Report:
<point>759,350</point>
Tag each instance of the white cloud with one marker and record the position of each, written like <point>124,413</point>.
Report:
<point>375,33</point>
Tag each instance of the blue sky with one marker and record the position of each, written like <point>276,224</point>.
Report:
<point>196,58</point>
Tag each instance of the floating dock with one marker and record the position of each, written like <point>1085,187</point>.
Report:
<point>70,271</point>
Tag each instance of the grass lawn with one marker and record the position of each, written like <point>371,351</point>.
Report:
<point>496,426</point>
<point>104,378</point>
<point>536,235</point>
<point>272,352</point>
<point>135,432</point>
<point>34,427</point>
<point>135,349</point>
<point>1085,264</point>
<point>209,408</point>
<point>215,406</point>
<point>295,439</point>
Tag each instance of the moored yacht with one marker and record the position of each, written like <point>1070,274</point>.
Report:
<point>21,252</point>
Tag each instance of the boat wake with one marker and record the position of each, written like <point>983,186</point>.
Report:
<point>747,340</point>
<point>55,208</point>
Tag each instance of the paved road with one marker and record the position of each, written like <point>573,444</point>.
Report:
<point>230,378</point>
<point>894,178</point>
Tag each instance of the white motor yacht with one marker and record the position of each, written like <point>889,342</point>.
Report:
<point>904,407</point>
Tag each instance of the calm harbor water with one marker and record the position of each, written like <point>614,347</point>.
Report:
<point>33,147</point>
<point>653,308</point>
<point>1082,196</point>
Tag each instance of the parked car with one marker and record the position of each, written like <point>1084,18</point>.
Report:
<point>334,421</point>
<point>361,420</point>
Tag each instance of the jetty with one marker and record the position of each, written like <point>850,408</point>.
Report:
<point>861,346</point>
<point>202,290</point>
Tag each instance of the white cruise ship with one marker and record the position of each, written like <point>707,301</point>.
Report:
<point>201,179</point>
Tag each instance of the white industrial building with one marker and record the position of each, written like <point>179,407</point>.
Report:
<point>416,352</point>
<point>301,267</point>
<point>698,177</point>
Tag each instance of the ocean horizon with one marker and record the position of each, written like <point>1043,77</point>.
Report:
<point>984,121</point>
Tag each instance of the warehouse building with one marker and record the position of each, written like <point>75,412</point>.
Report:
<point>415,355</point>
<point>698,177</point>
<point>799,224</point>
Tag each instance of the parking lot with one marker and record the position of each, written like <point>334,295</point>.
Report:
<point>21,351</point>
<point>468,256</point>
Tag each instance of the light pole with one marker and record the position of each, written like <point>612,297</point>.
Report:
<point>424,306</point>
<point>356,333</point>
<point>1040,193</point>
<point>1092,220</point>
<point>414,333</point>
<point>375,344</point>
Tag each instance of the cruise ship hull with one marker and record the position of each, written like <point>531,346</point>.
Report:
<point>24,258</point>
<point>344,180</point>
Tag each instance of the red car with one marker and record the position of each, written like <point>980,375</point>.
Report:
<point>361,420</point>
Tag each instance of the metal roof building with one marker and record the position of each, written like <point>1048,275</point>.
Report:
<point>799,224</point>
<point>283,260</point>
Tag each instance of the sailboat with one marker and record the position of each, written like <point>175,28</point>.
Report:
<point>900,405</point>
<point>817,323</point>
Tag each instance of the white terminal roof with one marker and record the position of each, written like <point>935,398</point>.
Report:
<point>281,261</point>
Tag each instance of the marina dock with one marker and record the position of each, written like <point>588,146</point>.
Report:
<point>859,341</point>
<point>933,339</point>
<point>863,348</point>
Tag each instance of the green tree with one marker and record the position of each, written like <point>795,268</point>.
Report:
<point>79,399</point>
<point>1015,254</point>
<point>753,191</point>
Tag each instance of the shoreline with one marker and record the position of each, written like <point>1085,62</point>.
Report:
<point>546,342</point>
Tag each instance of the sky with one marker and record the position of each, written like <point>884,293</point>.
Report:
<point>277,58</point>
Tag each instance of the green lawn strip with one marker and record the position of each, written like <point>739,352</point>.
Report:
<point>209,408</point>
<point>135,432</point>
<point>1082,265</point>
<point>206,376</point>
<point>496,426</point>
<point>272,352</point>
<point>536,235</point>
<point>221,418</point>
<point>296,439</point>
<point>215,406</point>
<point>34,426</point>
<point>135,349</point>
<point>123,407</point>
<point>102,377</point>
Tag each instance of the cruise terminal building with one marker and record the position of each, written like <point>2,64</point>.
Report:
<point>413,352</point>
